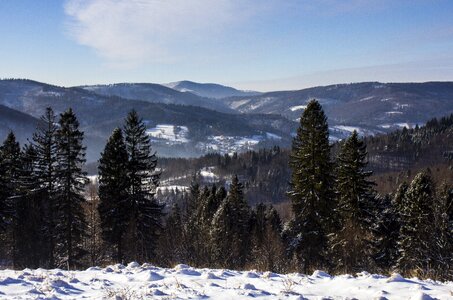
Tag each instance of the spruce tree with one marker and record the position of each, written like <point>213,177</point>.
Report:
<point>114,208</point>
<point>9,174</point>
<point>172,249</point>
<point>30,250</point>
<point>198,228</point>
<point>416,237</point>
<point>311,189</point>
<point>70,226</point>
<point>146,212</point>
<point>45,146</point>
<point>268,250</point>
<point>352,243</point>
<point>444,238</point>
<point>230,229</point>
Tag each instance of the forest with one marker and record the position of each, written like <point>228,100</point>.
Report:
<point>314,206</point>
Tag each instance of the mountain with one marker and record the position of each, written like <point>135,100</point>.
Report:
<point>369,107</point>
<point>156,93</point>
<point>176,130</point>
<point>21,124</point>
<point>209,90</point>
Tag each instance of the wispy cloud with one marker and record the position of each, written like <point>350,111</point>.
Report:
<point>130,32</point>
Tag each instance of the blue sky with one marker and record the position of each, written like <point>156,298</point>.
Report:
<point>262,45</point>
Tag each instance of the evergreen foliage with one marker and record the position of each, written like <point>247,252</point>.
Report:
<point>70,223</point>
<point>145,211</point>
<point>45,170</point>
<point>416,238</point>
<point>311,189</point>
<point>356,203</point>
<point>114,207</point>
<point>230,227</point>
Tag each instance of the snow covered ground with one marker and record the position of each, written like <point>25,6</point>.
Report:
<point>183,282</point>
<point>172,133</point>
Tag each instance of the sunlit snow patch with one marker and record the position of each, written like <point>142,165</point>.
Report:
<point>298,107</point>
<point>171,133</point>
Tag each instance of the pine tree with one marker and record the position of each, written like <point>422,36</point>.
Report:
<point>146,212</point>
<point>444,238</point>
<point>114,208</point>
<point>45,146</point>
<point>9,172</point>
<point>416,238</point>
<point>70,224</point>
<point>230,229</point>
<point>268,250</point>
<point>171,243</point>
<point>30,240</point>
<point>386,230</point>
<point>352,243</point>
<point>311,189</point>
<point>198,228</point>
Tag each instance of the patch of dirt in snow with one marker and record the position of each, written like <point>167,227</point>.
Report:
<point>145,281</point>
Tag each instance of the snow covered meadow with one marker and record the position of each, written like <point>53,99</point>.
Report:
<point>145,281</point>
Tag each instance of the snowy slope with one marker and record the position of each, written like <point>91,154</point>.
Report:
<point>183,282</point>
<point>209,90</point>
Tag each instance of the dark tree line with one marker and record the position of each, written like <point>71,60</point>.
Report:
<point>48,217</point>
<point>45,218</point>
<point>340,223</point>
<point>41,203</point>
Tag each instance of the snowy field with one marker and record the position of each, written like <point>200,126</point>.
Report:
<point>182,282</point>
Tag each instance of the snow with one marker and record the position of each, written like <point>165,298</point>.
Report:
<point>170,188</point>
<point>394,112</point>
<point>229,144</point>
<point>236,104</point>
<point>297,107</point>
<point>208,174</point>
<point>366,98</point>
<point>398,125</point>
<point>347,128</point>
<point>146,281</point>
<point>273,136</point>
<point>171,133</point>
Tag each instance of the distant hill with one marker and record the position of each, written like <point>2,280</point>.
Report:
<point>176,130</point>
<point>369,107</point>
<point>209,90</point>
<point>21,124</point>
<point>156,93</point>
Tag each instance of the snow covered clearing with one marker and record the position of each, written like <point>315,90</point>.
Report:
<point>145,281</point>
<point>298,107</point>
<point>229,144</point>
<point>172,133</point>
<point>208,174</point>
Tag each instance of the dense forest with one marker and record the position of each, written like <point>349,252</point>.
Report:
<point>338,220</point>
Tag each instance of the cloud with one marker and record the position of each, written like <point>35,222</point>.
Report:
<point>128,33</point>
<point>131,32</point>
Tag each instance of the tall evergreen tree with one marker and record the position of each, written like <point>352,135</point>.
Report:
<point>172,249</point>
<point>230,229</point>
<point>114,208</point>
<point>416,238</point>
<point>386,230</point>
<point>311,189</point>
<point>10,165</point>
<point>146,212</point>
<point>9,173</point>
<point>45,146</point>
<point>352,243</point>
<point>30,250</point>
<point>70,227</point>
<point>268,251</point>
